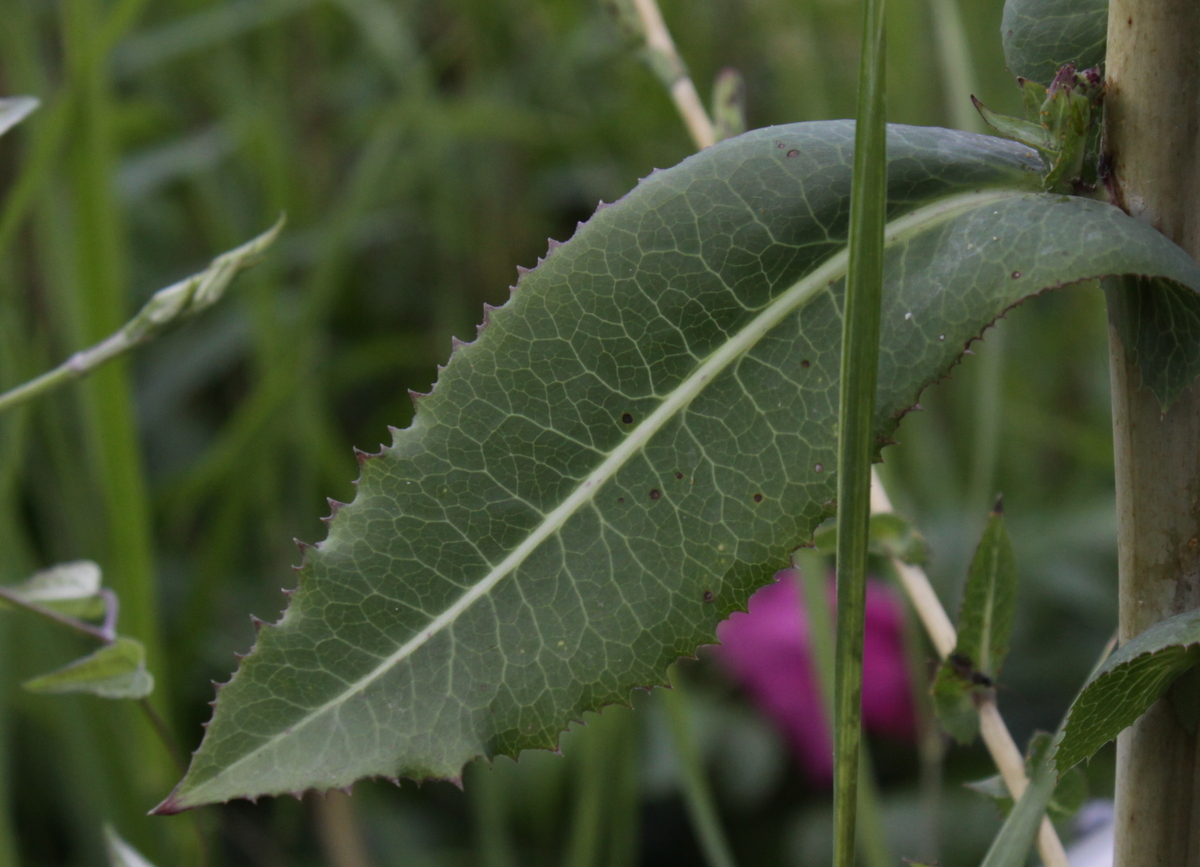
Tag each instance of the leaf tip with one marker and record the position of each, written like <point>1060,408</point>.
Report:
<point>169,807</point>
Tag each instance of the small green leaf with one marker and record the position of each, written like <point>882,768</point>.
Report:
<point>14,109</point>
<point>989,601</point>
<point>120,853</point>
<point>69,588</point>
<point>891,536</point>
<point>1130,680</point>
<point>984,626</point>
<point>954,703</point>
<point>117,670</point>
<point>1032,135</point>
<point>1069,794</point>
<point>1041,36</point>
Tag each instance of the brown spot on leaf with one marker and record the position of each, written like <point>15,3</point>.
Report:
<point>655,493</point>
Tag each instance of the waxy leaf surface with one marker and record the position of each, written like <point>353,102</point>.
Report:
<point>1042,35</point>
<point>1133,678</point>
<point>634,444</point>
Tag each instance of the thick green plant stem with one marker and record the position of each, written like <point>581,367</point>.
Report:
<point>859,370</point>
<point>1152,132</point>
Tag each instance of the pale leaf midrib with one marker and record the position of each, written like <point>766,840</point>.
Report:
<point>787,302</point>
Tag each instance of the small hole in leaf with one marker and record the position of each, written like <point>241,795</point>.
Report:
<point>655,493</point>
<point>627,418</point>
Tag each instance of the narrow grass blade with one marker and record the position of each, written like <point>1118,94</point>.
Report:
<point>859,371</point>
<point>696,792</point>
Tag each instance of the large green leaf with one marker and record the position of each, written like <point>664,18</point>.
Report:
<point>633,445</point>
<point>1042,35</point>
<point>1132,679</point>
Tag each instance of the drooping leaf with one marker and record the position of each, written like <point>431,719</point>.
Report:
<point>1041,36</point>
<point>120,853</point>
<point>1131,680</point>
<point>984,628</point>
<point>14,109</point>
<point>633,445</point>
<point>1069,792</point>
<point>116,670</point>
<point>1160,327</point>
<point>69,588</point>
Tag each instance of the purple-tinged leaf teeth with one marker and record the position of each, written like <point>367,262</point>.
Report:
<point>258,622</point>
<point>553,244</point>
<point>522,271</point>
<point>361,456</point>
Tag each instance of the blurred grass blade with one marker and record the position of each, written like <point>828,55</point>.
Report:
<point>697,793</point>
<point>14,109</point>
<point>115,671</point>
<point>120,853</point>
<point>859,371</point>
<point>212,27</point>
<point>1011,846</point>
<point>165,308</point>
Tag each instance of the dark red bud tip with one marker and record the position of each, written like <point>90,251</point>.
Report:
<point>169,807</point>
<point>998,508</point>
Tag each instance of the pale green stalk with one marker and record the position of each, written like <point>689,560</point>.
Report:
<point>165,308</point>
<point>860,362</point>
<point>1152,132</point>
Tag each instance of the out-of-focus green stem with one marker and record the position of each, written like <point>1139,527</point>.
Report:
<point>958,70</point>
<point>493,848</point>
<point>860,363</point>
<point>696,792</point>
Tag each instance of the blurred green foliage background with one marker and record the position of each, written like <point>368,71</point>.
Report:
<point>422,149</point>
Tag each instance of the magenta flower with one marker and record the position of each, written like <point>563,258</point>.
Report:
<point>767,652</point>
